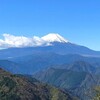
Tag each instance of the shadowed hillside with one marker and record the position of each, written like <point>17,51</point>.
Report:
<point>17,87</point>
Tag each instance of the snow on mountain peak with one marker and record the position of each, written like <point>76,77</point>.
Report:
<point>21,41</point>
<point>53,37</point>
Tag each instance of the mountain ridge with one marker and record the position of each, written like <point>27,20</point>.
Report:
<point>80,84</point>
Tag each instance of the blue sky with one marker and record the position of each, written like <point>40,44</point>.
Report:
<point>76,20</point>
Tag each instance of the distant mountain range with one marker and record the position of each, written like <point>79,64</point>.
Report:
<point>80,84</point>
<point>33,63</point>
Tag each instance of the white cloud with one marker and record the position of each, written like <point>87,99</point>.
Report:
<point>20,41</point>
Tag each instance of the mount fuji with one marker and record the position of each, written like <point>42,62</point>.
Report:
<point>51,43</point>
<point>54,38</point>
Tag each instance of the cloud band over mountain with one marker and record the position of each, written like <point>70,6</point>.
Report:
<point>22,41</point>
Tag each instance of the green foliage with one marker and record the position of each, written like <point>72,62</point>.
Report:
<point>8,83</point>
<point>56,94</point>
<point>97,90</point>
<point>18,87</point>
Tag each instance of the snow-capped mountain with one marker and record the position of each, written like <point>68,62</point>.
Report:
<point>21,41</point>
<point>54,38</point>
<point>52,43</point>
